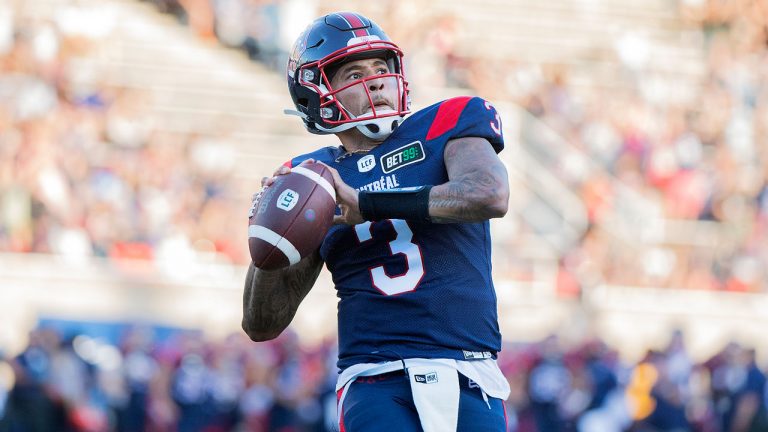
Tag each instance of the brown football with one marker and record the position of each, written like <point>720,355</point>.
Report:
<point>291,217</point>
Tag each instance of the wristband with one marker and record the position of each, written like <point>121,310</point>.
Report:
<point>406,203</point>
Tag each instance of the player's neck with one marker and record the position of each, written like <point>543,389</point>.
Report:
<point>354,141</point>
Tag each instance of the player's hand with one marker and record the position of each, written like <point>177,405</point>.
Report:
<point>281,170</point>
<point>268,181</point>
<point>346,198</point>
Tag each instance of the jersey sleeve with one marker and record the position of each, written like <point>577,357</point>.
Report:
<point>467,117</point>
<point>325,154</point>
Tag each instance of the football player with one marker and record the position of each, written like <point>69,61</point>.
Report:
<point>410,253</point>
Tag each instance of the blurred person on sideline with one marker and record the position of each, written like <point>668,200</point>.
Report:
<point>32,404</point>
<point>548,384</point>
<point>668,413</point>
<point>742,405</point>
<point>410,253</point>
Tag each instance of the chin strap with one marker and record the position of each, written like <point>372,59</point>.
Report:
<point>381,128</point>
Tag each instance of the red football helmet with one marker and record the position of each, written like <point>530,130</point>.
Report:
<point>325,44</point>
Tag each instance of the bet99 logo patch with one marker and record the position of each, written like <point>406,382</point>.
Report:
<point>287,200</point>
<point>403,156</point>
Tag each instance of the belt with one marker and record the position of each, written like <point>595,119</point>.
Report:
<point>381,377</point>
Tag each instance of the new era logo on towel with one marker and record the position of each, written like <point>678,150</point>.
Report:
<point>428,378</point>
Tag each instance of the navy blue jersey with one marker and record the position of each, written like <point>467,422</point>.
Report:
<point>408,289</point>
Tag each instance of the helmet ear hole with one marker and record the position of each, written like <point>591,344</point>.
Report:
<point>373,128</point>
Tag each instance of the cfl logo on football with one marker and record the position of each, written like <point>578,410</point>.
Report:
<point>287,200</point>
<point>427,378</point>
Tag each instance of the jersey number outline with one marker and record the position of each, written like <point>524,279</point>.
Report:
<point>402,244</point>
<point>496,127</point>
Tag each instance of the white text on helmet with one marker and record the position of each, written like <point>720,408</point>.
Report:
<point>362,39</point>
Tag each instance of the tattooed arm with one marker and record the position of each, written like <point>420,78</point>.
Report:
<point>477,187</point>
<point>270,298</point>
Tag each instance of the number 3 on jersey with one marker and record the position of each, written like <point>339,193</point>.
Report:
<point>402,244</point>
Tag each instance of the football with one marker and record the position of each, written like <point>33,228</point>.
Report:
<point>290,218</point>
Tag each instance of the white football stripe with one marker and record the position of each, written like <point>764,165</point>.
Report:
<point>273,238</point>
<point>317,178</point>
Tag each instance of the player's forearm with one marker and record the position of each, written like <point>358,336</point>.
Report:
<point>271,298</point>
<point>468,200</point>
<point>478,187</point>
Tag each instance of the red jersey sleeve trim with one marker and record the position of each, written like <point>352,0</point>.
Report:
<point>447,116</point>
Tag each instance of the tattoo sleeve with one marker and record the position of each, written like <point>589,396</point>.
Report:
<point>477,187</point>
<point>271,298</point>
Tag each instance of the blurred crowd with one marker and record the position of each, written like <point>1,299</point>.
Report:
<point>266,30</point>
<point>84,171</point>
<point>699,156</point>
<point>184,382</point>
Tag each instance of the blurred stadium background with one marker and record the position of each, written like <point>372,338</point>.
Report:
<point>631,269</point>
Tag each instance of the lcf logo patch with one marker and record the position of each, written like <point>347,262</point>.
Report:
<point>366,163</point>
<point>403,156</point>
